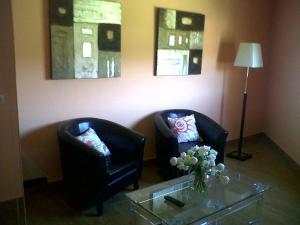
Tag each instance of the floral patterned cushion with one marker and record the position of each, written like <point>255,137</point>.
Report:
<point>185,128</point>
<point>90,138</point>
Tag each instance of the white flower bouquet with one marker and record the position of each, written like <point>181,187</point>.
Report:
<point>202,161</point>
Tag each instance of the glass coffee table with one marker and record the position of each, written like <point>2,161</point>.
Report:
<point>239,202</point>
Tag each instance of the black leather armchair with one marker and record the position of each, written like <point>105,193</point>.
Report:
<point>91,178</point>
<point>167,145</point>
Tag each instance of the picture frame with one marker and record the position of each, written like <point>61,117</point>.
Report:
<point>85,38</point>
<point>179,42</point>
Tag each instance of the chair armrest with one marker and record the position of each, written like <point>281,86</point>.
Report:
<point>212,133</point>
<point>163,127</point>
<point>124,143</point>
<point>84,170</point>
<point>79,156</point>
<point>166,140</point>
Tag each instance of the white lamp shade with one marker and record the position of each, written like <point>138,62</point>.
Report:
<point>249,55</point>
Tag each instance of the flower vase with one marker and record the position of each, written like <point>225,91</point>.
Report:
<point>200,182</point>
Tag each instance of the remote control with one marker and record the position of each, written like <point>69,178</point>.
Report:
<point>174,200</point>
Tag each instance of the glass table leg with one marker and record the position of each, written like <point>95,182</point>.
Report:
<point>257,219</point>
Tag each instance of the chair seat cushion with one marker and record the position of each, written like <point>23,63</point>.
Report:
<point>183,147</point>
<point>117,170</point>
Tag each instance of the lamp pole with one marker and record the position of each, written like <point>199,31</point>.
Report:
<point>240,155</point>
<point>249,56</point>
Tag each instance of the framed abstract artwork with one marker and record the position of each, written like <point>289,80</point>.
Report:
<point>85,39</point>
<point>179,42</point>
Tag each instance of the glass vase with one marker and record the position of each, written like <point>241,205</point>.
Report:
<point>200,184</point>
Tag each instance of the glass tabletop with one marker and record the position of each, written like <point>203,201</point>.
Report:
<point>198,206</point>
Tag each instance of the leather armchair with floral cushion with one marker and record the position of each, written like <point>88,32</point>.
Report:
<point>167,146</point>
<point>90,177</point>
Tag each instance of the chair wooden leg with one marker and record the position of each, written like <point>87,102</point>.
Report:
<point>99,209</point>
<point>136,185</point>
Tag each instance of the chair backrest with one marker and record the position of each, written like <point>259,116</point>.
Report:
<point>77,126</point>
<point>175,113</point>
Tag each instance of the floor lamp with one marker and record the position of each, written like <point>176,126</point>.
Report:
<point>249,56</point>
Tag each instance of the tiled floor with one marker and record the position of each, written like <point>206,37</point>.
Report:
<point>45,205</point>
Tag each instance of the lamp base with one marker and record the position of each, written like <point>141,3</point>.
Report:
<point>239,155</point>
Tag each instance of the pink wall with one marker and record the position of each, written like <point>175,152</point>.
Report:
<point>283,123</point>
<point>132,99</point>
<point>10,165</point>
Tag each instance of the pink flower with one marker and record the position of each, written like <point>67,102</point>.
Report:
<point>89,142</point>
<point>181,125</point>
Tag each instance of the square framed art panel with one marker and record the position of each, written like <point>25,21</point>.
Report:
<point>85,39</point>
<point>179,42</point>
